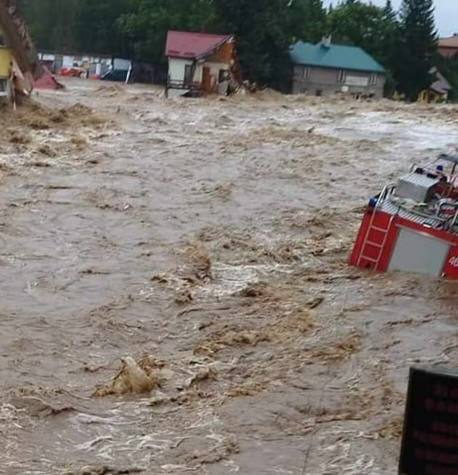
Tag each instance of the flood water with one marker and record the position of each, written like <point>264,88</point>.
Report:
<point>211,236</point>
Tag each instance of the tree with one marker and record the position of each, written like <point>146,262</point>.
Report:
<point>418,46</point>
<point>51,22</point>
<point>145,26</point>
<point>388,12</point>
<point>357,23</point>
<point>263,33</point>
<point>307,20</point>
<point>95,26</point>
<point>389,46</point>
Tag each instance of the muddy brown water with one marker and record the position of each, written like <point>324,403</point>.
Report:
<point>212,236</point>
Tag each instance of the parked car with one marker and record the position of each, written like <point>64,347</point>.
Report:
<point>73,72</point>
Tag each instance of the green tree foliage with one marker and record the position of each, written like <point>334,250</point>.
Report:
<point>308,19</point>
<point>95,26</point>
<point>262,29</point>
<point>52,22</point>
<point>357,23</point>
<point>77,25</point>
<point>389,45</point>
<point>144,27</point>
<point>418,46</point>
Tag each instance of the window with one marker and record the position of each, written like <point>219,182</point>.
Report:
<point>223,75</point>
<point>341,76</point>
<point>373,79</point>
<point>188,74</point>
<point>306,73</point>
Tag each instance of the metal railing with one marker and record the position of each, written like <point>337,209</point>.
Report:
<point>387,191</point>
<point>176,84</point>
<point>448,223</point>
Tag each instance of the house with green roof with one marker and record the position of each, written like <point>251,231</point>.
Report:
<point>325,69</point>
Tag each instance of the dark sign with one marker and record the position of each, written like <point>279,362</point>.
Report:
<point>430,440</point>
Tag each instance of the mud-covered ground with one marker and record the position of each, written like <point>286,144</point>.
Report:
<point>207,239</point>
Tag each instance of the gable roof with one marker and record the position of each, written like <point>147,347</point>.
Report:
<point>181,44</point>
<point>451,42</point>
<point>334,56</point>
<point>440,84</point>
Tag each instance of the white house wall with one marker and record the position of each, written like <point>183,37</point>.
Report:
<point>48,57</point>
<point>216,67</point>
<point>214,70</point>
<point>68,61</point>
<point>177,68</point>
<point>198,73</point>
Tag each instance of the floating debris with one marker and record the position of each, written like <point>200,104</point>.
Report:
<point>137,378</point>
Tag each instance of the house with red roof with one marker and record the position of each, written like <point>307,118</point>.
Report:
<point>199,63</point>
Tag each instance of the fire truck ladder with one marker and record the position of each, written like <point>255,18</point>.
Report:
<point>372,227</point>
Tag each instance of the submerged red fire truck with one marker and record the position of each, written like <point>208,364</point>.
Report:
<point>412,226</point>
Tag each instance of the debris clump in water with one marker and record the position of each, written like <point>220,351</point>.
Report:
<point>133,378</point>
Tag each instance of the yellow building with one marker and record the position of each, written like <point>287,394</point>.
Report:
<point>6,62</point>
<point>6,65</point>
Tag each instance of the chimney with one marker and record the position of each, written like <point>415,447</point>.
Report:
<point>326,41</point>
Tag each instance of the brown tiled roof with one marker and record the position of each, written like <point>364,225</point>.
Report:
<point>451,42</point>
